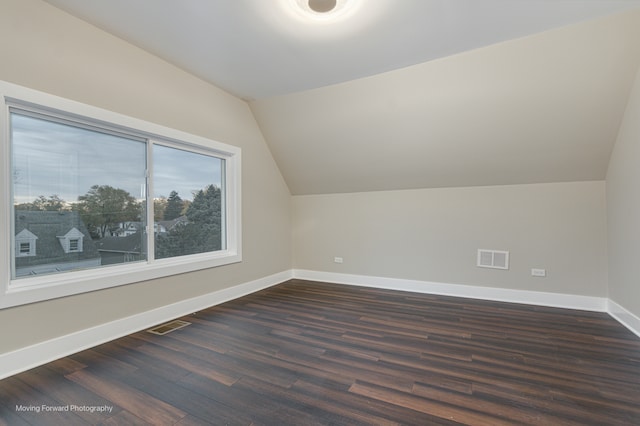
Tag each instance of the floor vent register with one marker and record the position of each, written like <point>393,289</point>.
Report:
<point>163,329</point>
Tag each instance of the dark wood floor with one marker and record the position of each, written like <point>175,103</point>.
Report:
<point>305,353</point>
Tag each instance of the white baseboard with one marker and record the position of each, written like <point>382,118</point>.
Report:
<point>557,300</point>
<point>32,356</point>
<point>624,317</point>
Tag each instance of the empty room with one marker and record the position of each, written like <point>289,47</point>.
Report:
<point>314,212</point>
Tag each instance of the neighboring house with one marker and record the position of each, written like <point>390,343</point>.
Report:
<point>132,228</point>
<point>123,249</point>
<point>168,225</point>
<point>126,229</point>
<point>159,228</point>
<point>51,241</point>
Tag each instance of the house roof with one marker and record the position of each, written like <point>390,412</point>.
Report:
<point>25,234</point>
<point>130,244</point>
<point>170,224</point>
<point>48,226</point>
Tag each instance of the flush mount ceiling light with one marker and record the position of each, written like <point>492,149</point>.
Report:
<point>323,10</point>
<point>322,6</point>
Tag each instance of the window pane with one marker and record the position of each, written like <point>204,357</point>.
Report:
<point>188,202</point>
<point>78,196</point>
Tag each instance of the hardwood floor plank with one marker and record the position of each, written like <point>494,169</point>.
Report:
<point>540,400</point>
<point>189,363</point>
<point>141,404</point>
<point>123,418</point>
<point>362,409</point>
<point>33,405</point>
<point>97,359</point>
<point>192,403</point>
<point>65,366</point>
<point>64,391</point>
<point>146,364</point>
<point>10,417</point>
<point>505,410</point>
<point>423,405</point>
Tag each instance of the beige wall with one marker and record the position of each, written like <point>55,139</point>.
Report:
<point>45,49</point>
<point>433,234</point>
<point>623,209</point>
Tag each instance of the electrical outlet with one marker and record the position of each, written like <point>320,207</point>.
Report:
<point>337,260</point>
<point>538,272</point>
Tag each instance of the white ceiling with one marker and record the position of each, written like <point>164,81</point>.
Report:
<point>262,48</point>
<point>407,93</point>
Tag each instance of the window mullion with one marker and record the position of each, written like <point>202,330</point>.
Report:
<point>150,205</point>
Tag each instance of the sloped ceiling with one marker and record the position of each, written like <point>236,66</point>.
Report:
<point>544,108</point>
<point>407,93</point>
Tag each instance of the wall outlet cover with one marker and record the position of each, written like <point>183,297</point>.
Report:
<point>538,272</point>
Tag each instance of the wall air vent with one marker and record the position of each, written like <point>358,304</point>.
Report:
<point>168,327</point>
<point>496,259</point>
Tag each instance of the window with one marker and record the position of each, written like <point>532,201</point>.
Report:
<point>109,199</point>
<point>74,245</point>
<point>189,219</point>
<point>25,249</point>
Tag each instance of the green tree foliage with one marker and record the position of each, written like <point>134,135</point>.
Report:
<point>202,232</point>
<point>159,206</point>
<point>103,207</point>
<point>54,203</point>
<point>205,207</point>
<point>174,206</point>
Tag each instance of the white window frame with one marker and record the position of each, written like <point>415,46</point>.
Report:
<point>25,290</point>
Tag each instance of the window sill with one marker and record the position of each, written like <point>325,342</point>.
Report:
<point>35,289</point>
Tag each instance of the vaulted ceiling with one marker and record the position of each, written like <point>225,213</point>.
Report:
<point>401,94</point>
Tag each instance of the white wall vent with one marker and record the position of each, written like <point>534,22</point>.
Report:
<point>496,259</point>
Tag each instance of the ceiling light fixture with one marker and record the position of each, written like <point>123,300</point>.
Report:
<point>323,10</point>
<point>322,6</point>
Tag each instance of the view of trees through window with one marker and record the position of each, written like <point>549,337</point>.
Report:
<point>80,197</point>
<point>189,220</point>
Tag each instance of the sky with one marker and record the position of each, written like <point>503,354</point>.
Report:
<point>183,171</point>
<point>50,158</point>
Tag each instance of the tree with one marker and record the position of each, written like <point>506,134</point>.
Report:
<point>159,206</point>
<point>174,206</point>
<point>103,207</point>
<point>201,233</point>
<point>205,214</point>
<point>205,207</point>
<point>54,203</point>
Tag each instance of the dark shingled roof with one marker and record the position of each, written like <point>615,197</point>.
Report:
<point>47,226</point>
<point>129,244</point>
